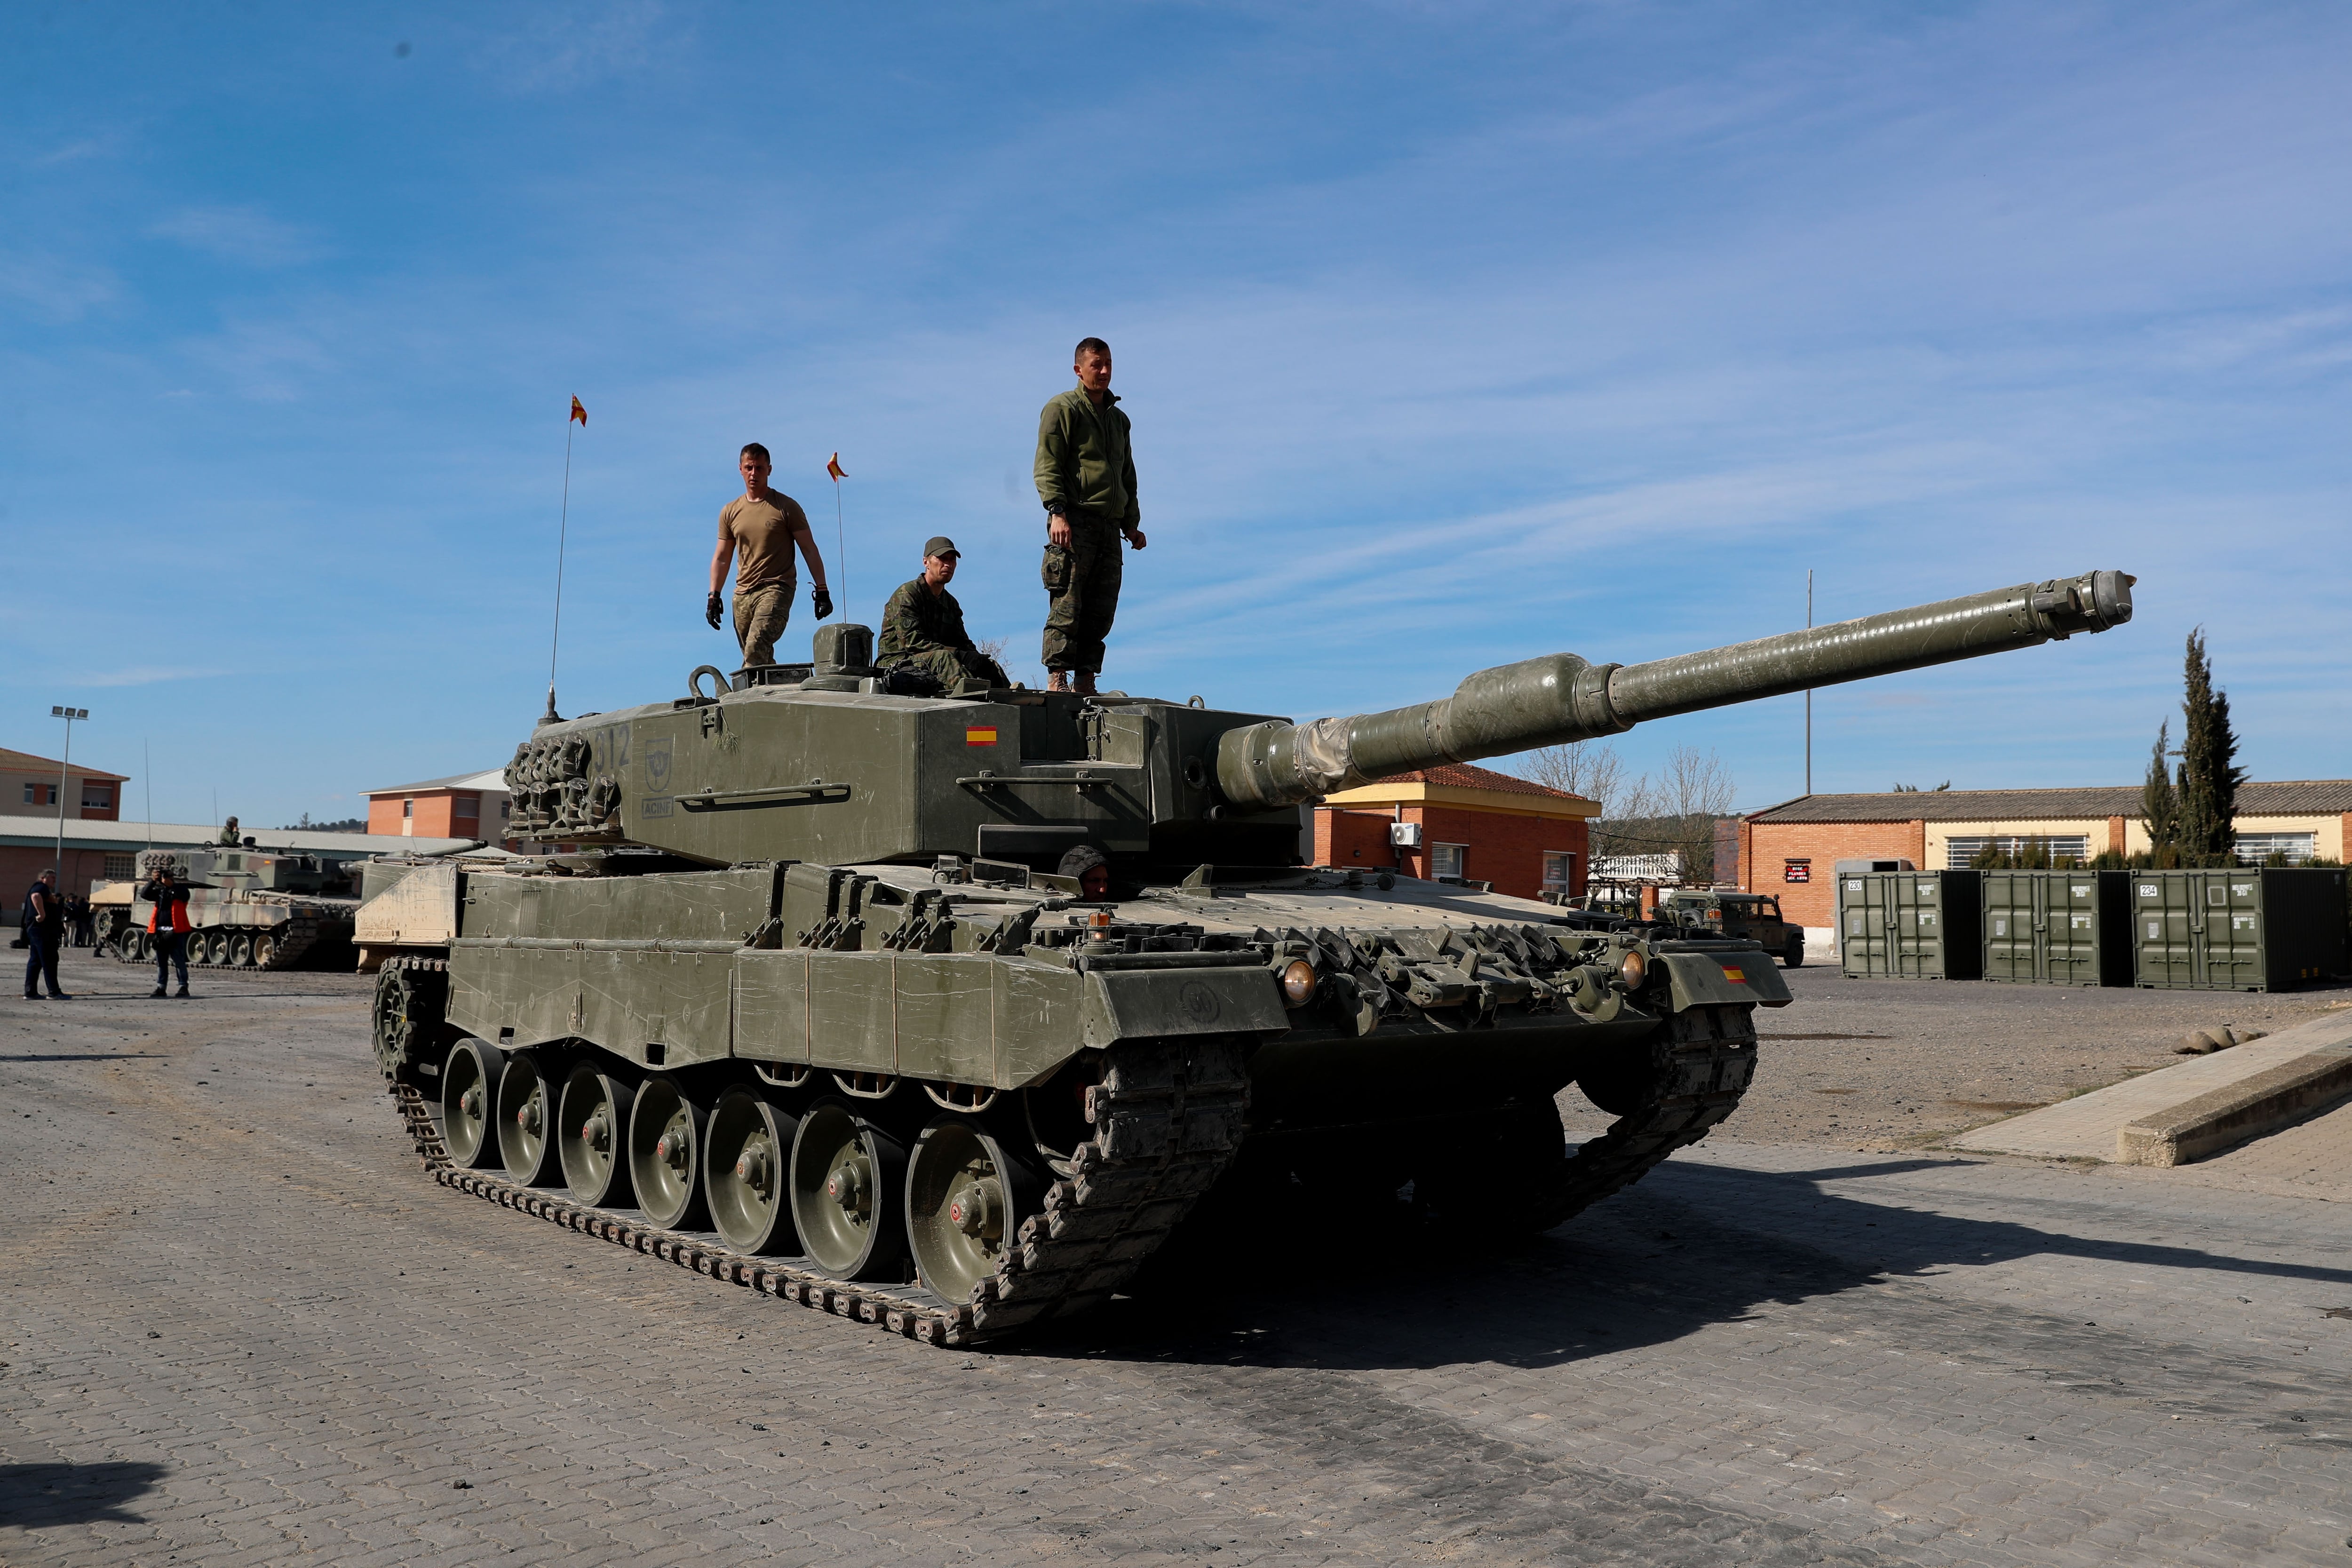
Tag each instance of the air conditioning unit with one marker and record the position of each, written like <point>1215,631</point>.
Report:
<point>1405,834</point>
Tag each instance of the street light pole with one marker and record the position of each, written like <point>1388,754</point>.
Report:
<point>69,715</point>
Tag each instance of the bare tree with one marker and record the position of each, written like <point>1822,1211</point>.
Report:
<point>1674,812</point>
<point>1695,783</point>
<point>1589,768</point>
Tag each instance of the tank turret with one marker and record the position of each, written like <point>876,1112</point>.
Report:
<point>1561,697</point>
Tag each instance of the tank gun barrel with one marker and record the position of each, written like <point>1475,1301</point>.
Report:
<point>1561,697</point>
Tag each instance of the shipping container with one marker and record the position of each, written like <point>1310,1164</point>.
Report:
<point>2058,928</point>
<point>1919,925</point>
<point>2241,928</point>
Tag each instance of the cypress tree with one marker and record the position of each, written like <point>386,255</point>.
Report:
<point>2160,806</point>
<point>2208,776</point>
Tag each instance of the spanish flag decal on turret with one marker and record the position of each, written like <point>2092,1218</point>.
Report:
<point>1734,974</point>
<point>980,735</point>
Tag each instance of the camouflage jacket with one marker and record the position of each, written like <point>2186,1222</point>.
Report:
<point>920,621</point>
<point>1086,467</point>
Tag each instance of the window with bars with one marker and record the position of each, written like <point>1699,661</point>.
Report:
<point>1447,860</point>
<point>1959,852</point>
<point>2253,849</point>
<point>121,868</point>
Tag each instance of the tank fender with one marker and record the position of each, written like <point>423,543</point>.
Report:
<point>1704,979</point>
<point>1131,1004</point>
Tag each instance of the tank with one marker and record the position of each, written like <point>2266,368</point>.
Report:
<point>808,1003</point>
<point>248,908</point>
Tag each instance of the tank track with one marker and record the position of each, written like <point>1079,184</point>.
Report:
<point>1170,1121</point>
<point>1701,1065</point>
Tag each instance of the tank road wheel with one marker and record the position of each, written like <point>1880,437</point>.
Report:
<point>846,1175</point>
<point>240,950</point>
<point>216,948</point>
<point>469,1099</point>
<point>746,1148</point>
<point>264,948</point>
<point>526,1120</point>
<point>137,947</point>
<point>666,1155</point>
<point>591,1132</point>
<point>965,1200</point>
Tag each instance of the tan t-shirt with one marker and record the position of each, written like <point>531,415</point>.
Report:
<point>762,531</point>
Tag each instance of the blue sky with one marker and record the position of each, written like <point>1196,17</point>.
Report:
<point>1452,335</point>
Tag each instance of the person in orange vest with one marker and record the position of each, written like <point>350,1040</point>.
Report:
<point>168,926</point>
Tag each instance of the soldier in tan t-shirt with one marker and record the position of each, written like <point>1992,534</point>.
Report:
<point>763,525</point>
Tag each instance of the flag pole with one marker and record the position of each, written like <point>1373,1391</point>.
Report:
<point>840,533</point>
<point>578,415</point>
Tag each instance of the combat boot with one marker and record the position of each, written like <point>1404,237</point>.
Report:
<point>1057,680</point>
<point>1085,686</point>
<point>157,992</point>
<point>183,993</point>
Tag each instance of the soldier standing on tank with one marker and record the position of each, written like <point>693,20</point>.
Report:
<point>922,627</point>
<point>764,525</point>
<point>1085,477</point>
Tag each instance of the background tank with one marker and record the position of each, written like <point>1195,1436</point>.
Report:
<point>250,907</point>
<point>813,985</point>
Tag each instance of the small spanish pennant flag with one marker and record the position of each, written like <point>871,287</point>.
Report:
<point>833,466</point>
<point>578,413</point>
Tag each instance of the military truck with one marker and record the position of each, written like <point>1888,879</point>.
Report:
<point>249,908</point>
<point>814,982</point>
<point>1745,917</point>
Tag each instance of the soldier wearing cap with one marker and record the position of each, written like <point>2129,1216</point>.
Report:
<point>922,627</point>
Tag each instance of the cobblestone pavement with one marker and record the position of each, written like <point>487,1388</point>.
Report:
<point>240,1327</point>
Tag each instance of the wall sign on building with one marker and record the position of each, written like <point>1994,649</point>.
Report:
<point>1797,870</point>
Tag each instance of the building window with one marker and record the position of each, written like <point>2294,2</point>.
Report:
<point>96,797</point>
<point>1446,859</point>
<point>1557,867</point>
<point>2253,849</point>
<point>121,868</point>
<point>31,798</point>
<point>40,794</point>
<point>407,809</point>
<point>1959,852</point>
<point>504,808</point>
<point>466,805</point>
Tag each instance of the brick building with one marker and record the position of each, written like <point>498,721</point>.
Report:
<point>463,805</point>
<point>29,787</point>
<point>1790,849</point>
<point>1473,823</point>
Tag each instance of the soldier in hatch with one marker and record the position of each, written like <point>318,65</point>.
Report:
<point>1085,477</point>
<point>922,627</point>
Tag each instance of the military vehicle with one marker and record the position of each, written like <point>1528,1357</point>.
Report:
<point>811,981</point>
<point>248,908</point>
<point>1744,917</point>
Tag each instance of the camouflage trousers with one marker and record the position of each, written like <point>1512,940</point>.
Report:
<point>761,615</point>
<point>951,666</point>
<point>1082,581</point>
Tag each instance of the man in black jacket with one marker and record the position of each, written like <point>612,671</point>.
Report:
<point>168,926</point>
<point>44,930</point>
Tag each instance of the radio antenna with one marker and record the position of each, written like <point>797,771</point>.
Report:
<point>579,416</point>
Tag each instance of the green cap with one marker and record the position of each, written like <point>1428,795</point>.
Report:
<point>940,544</point>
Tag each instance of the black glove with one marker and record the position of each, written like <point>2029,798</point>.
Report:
<point>712,608</point>
<point>821,600</point>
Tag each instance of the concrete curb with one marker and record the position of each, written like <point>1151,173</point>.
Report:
<point>2272,1100</point>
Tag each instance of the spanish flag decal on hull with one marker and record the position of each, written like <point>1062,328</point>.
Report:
<point>1739,976</point>
<point>980,735</point>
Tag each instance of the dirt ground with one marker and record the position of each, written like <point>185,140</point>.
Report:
<point>1882,1065</point>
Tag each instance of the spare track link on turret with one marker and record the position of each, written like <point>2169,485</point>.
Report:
<point>1176,1112</point>
<point>1169,1119</point>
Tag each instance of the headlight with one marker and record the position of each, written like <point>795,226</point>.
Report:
<point>1297,983</point>
<point>1633,970</point>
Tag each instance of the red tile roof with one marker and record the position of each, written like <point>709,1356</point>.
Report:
<point>1463,776</point>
